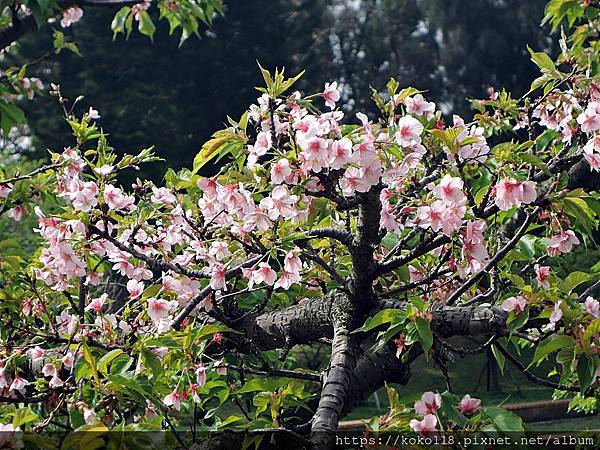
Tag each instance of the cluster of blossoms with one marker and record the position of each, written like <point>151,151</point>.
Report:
<point>428,406</point>
<point>51,366</point>
<point>31,85</point>
<point>201,371</point>
<point>70,16</point>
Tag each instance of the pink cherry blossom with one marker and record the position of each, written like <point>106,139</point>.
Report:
<point>388,220</point>
<point>431,216</point>
<point>516,304</point>
<point>261,146</point>
<point>36,353</point>
<point>280,171</point>
<point>258,218</point>
<point>542,274</point>
<point>409,131</point>
<point>469,405</point>
<point>400,342</point>
<point>450,190</point>
<point>279,203</point>
<point>135,288</point>
<point>556,314</point>
<point>104,170</point>
<point>56,381</point>
<point>287,279</point>
<point>97,303</point>
<point>217,280</point>
<point>330,94</point>
<point>49,370</point>
<point>70,16</point>
<point>341,153</point>
<point>592,307</point>
<point>441,215</point>
<point>84,196</point>
<point>510,193</point>
<point>291,261</point>
<point>427,425</point>
<point>201,374</point>
<point>173,399</point>
<point>5,190</point>
<point>430,402</point>
<point>315,153</point>
<point>352,181</point>
<point>93,114</point>
<point>162,196</point>
<point>17,212</point>
<point>219,250</point>
<point>19,384</point>
<point>264,274</point>
<point>589,120</point>
<point>592,157</point>
<point>115,199</point>
<point>89,416</point>
<point>364,152</point>
<point>419,106</point>
<point>159,308</point>
<point>68,360</point>
<point>562,243</point>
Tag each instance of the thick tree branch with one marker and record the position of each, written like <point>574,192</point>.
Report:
<point>337,379</point>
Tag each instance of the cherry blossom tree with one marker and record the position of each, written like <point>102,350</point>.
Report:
<point>380,238</point>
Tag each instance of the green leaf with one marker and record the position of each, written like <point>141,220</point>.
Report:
<point>503,420</point>
<point>145,24</point>
<point>542,60</point>
<point>382,317</point>
<point>89,358</point>
<point>152,361</point>
<point>580,211</point>
<point>22,416</point>
<point>425,335</point>
<point>592,330</point>
<point>500,359</point>
<point>537,162</point>
<point>107,359</point>
<point>550,345</point>
<point>586,368</point>
<point>118,22</point>
<point>573,280</point>
<point>216,146</point>
<point>262,385</point>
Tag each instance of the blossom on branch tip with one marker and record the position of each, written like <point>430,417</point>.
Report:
<point>427,425</point>
<point>408,131</point>
<point>556,314</point>
<point>5,190</point>
<point>562,243</point>
<point>509,193</point>
<point>418,105</point>
<point>70,16</point>
<point>430,402</point>
<point>330,94</point>
<point>592,307</point>
<point>542,273</point>
<point>469,405</point>
<point>516,304</point>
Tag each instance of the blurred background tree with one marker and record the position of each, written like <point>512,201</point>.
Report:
<point>177,97</point>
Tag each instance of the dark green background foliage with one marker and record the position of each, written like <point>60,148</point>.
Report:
<point>174,98</point>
